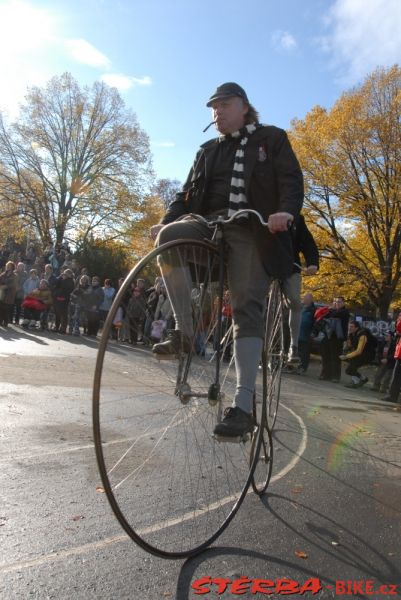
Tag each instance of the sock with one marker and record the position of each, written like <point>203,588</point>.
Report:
<point>247,352</point>
<point>355,379</point>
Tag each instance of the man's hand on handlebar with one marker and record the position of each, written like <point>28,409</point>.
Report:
<point>154,230</point>
<point>279,221</point>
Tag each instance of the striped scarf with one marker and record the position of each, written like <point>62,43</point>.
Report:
<point>237,199</point>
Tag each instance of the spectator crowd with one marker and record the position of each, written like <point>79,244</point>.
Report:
<point>54,293</point>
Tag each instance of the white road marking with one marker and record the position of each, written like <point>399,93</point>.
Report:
<point>92,546</point>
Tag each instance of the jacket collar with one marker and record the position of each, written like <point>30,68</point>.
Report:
<point>251,151</point>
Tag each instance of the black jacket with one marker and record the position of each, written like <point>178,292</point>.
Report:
<point>303,243</point>
<point>273,183</point>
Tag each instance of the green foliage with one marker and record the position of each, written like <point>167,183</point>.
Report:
<point>107,259</point>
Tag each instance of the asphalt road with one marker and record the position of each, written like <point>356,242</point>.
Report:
<point>332,513</point>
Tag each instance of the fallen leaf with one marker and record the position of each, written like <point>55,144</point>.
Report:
<point>301,554</point>
<point>297,489</point>
<point>100,489</point>
<point>78,518</point>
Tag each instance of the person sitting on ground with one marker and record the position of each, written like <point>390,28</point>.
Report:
<point>362,348</point>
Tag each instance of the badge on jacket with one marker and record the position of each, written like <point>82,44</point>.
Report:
<point>262,154</point>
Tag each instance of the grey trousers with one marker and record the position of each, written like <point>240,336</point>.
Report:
<point>247,278</point>
<point>292,293</point>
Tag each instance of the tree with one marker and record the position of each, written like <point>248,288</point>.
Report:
<point>166,189</point>
<point>74,158</point>
<point>137,233</point>
<point>350,157</point>
<point>107,259</point>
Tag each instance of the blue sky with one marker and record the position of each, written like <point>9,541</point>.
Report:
<point>167,57</point>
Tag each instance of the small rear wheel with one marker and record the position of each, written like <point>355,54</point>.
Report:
<point>273,352</point>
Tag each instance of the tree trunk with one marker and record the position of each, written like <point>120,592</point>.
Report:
<point>384,301</point>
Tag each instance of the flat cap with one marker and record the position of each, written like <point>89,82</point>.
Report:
<point>226,90</point>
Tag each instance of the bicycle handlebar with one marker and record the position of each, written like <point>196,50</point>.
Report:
<point>243,211</point>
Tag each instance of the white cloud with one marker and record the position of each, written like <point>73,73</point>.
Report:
<point>363,35</point>
<point>283,40</point>
<point>83,52</point>
<point>124,82</point>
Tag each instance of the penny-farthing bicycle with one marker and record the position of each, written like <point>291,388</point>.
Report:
<point>173,486</point>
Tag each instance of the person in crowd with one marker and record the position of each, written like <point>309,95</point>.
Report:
<point>38,265</point>
<point>303,243</point>
<point>48,251</point>
<point>79,305</point>
<point>395,382</point>
<point>122,332</point>
<point>63,287</point>
<point>305,331</point>
<point>31,283</point>
<point>75,269</point>
<point>152,298</point>
<point>108,294</point>
<point>95,298</point>
<point>22,276</point>
<point>8,289</point>
<point>332,345</point>
<point>360,350</point>
<point>163,314</point>
<point>37,306</point>
<point>4,257</point>
<point>136,311</point>
<point>248,165</point>
<point>55,260</point>
<point>49,276</point>
<point>30,256</point>
<point>386,364</point>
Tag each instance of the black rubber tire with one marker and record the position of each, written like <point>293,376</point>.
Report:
<point>273,351</point>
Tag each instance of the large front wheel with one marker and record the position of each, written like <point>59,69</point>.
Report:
<point>172,485</point>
